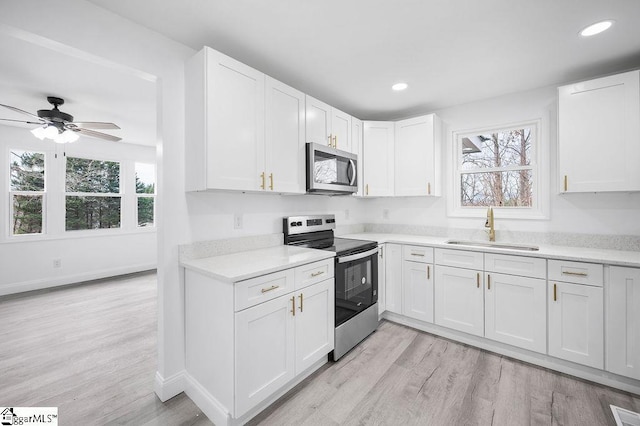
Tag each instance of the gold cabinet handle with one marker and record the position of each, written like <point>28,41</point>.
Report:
<point>417,254</point>
<point>566,184</point>
<point>429,188</point>
<point>315,274</point>
<point>263,182</point>
<point>478,279</point>
<point>330,140</point>
<point>488,282</point>
<point>366,189</point>
<point>575,274</point>
<point>428,272</point>
<point>301,302</point>
<point>335,141</point>
<point>271,181</point>
<point>273,287</point>
<point>555,292</point>
<point>293,305</point>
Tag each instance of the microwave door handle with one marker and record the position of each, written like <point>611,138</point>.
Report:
<point>357,256</point>
<point>353,167</point>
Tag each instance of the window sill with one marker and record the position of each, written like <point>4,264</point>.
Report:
<point>71,235</point>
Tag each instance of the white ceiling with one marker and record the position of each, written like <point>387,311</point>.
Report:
<point>349,53</point>
<point>92,91</point>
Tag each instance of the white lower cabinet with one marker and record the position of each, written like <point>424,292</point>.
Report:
<point>576,326</point>
<point>314,321</point>
<point>381,280</point>
<point>623,322</point>
<point>515,311</point>
<point>459,301</point>
<point>393,278</point>
<point>417,284</point>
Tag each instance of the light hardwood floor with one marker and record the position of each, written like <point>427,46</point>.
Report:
<point>91,351</point>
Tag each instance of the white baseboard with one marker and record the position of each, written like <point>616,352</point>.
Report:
<point>49,282</point>
<point>206,402</point>
<point>173,385</point>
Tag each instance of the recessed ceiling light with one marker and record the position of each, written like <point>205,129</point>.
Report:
<point>399,86</point>
<point>596,28</point>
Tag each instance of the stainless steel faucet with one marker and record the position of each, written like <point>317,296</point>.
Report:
<point>489,224</point>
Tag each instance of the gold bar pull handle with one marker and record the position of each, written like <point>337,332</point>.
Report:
<point>335,141</point>
<point>330,140</point>
<point>428,272</point>
<point>575,274</point>
<point>301,302</point>
<point>293,305</point>
<point>478,279</point>
<point>366,189</point>
<point>429,188</point>
<point>566,184</point>
<point>262,176</point>
<point>488,282</point>
<point>555,292</point>
<point>271,181</point>
<point>273,287</point>
<point>315,274</point>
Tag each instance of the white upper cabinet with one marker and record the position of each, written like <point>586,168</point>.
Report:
<point>244,130</point>
<point>378,147</point>
<point>284,142</point>
<point>327,125</point>
<point>418,143</point>
<point>599,134</point>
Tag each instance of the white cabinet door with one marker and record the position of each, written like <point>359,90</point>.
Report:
<point>515,311</point>
<point>459,300</point>
<point>378,146</point>
<point>235,116</point>
<point>314,323</point>
<point>417,156</point>
<point>356,148</point>
<point>284,141</point>
<point>417,286</point>
<point>341,130</point>
<point>264,339</point>
<point>381,280</point>
<point>318,121</point>
<point>393,277</point>
<point>599,129</point>
<point>623,322</point>
<point>576,323</point>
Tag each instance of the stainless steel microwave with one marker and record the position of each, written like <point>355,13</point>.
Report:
<point>331,171</point>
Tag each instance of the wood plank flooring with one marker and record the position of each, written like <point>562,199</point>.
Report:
<point>90,350</point>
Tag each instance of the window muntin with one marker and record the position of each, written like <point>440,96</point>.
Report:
<point>145,193</point>
<point>27,191</point>
<point>497,167</point>
<point>92,198</point>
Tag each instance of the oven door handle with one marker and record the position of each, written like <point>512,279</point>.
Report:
<point>357,256</point>
<point>353,167</point>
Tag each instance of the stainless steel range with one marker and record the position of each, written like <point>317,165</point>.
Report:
<point>356,277</point>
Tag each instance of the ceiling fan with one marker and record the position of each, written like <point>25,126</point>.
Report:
<point>59,126</point>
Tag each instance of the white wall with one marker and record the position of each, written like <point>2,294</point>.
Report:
<point>611,213</point>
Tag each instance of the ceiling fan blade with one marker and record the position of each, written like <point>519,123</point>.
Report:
<point>96,125</point>
<point>23,112</point>
<point>21,121</point>
<point>99,135</point>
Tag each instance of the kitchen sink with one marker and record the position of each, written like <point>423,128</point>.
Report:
<point>507,246</point>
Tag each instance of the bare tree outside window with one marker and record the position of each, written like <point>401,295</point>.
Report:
<point>27,191</point>
<point>496,168</point>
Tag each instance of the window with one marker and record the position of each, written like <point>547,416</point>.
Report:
<point>93,199</point>
<point>27,192</point>
<point>497,167</point>
<point>145,193</point>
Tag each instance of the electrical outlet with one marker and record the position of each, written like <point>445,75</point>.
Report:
<point>237,221</point>
<point>346,214</point>
<point>57,263</point>
<point>385,214</point>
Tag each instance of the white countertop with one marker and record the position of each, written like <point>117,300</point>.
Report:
<point>252,263</point>
<point>579,254</point>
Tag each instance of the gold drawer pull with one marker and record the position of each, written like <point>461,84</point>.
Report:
<point>566,184</point>
<point>555,292</point>
<point>315,274</point>
<point>417,254</point>
<point>273,287</point>
<point>576,274</point>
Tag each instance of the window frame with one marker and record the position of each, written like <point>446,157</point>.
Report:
<point>539,174</point>
<point>11,193</point>
<point>146,195</point>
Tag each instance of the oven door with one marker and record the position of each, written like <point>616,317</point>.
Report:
<point>356,284</point>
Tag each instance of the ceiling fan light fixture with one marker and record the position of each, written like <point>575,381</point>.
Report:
<point>39,132</point>
<point>596,28</point>
<point>67,136</point>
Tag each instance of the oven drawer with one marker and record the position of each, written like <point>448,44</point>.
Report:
<point>260,289</point>
<point>312,273</point>
<point>576,272</point>
<point>417,254</point>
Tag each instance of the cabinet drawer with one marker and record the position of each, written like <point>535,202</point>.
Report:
<point>417,254</point>
<point>260,289</point>
<point>313,273</point>
<point>460,258</point>
<point>576,272</point>
<point>533,267</point>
